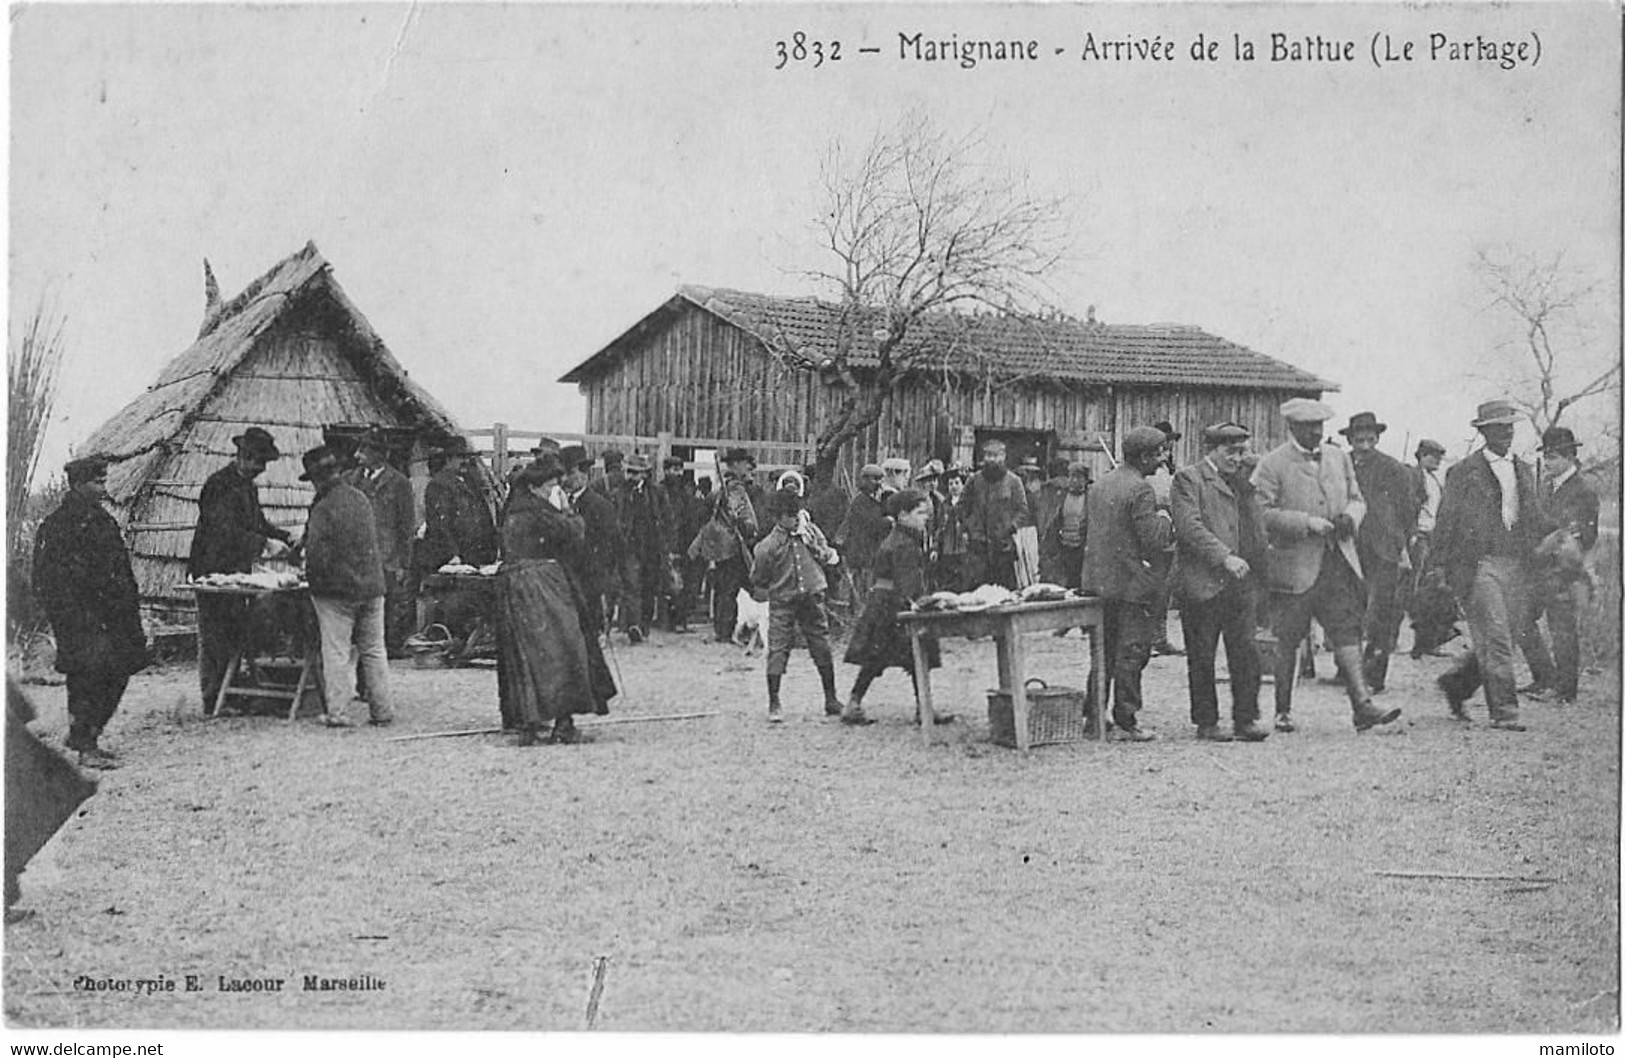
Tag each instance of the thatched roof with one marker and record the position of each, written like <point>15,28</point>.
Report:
<point>1058,348</point>
<point>292,354</point>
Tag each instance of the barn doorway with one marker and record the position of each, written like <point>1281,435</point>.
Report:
<point>1018,444</point>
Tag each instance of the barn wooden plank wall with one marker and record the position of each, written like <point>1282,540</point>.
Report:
<point>701,376</point>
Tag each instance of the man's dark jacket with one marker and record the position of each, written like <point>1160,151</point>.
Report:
<point>83,581</point>
<point>231,528</point>
<point>1470,527</point>
<point>1390,506</point>
<point>457,523</point>
<point>341,545</point>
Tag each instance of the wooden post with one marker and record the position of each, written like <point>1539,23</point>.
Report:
<point>662,450</point>
<point>499,450</point>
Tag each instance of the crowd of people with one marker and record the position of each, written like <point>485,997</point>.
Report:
<point>1251,547</point>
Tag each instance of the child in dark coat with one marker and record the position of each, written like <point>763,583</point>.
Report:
<point>879,642</point>
<point>788,573</point>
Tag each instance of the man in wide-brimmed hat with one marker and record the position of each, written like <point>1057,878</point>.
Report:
<point>395,515</point>
<point>650,546</point>
<point>457,522</point>
<point>232,531</point>
<point>599,575</point>
<point>1312,512</point>
<point>1383,541</point>
<point>83,581</point>
<point>1489,525</point>
<point>346,589</point>
<point>1558,579</point>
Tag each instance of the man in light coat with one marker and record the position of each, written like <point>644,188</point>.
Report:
<point>1219,535</point>
<point>1312,512</point>
<point>1127,534</point>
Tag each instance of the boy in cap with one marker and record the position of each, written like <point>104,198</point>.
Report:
<point>1557,580</point>
<point>83,581</point>
<point>232,531</point>
<point>788,574</point>
<point>896,470</point>
<point>1489,524</point>
<point>1312,511</point>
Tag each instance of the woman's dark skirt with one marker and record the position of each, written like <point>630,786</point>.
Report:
<point>879,642</point>
<point>551,666</point>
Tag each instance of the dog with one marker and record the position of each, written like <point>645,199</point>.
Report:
<point>748,625</point>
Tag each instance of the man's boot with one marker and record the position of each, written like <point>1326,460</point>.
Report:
<point>1366,716</point>
<point>833,706</point>
<point>775,713</point>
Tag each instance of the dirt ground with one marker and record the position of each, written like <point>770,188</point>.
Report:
<point>811,877</point>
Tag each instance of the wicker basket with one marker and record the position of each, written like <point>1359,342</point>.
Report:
<point>428,649</point>
<point>1055,715</point>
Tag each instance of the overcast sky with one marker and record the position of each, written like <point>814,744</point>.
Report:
<point>504,189</point>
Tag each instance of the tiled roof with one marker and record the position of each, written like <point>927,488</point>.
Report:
<point>1039,347</point>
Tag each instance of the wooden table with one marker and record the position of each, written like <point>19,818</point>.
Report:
<point>229,687</point>
<point>1007,625</point>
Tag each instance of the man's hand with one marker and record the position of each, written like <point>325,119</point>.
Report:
<point>1319,526</point>
<point>1236,566</point>
<point>1344,524</point>
<point>1405,559</point>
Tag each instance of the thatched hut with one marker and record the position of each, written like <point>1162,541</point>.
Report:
<point>292,354</point>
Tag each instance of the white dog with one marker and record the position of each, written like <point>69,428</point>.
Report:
<point>749,623</point>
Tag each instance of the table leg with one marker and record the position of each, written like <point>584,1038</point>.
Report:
<point>922,676</point>
<point>225,684</point>
<point>1097,664</point>
<point>1001,651</point>
<point>299,687</point>
<point>1018,689</point>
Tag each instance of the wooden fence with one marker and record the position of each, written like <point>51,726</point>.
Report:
<point>772,455</point>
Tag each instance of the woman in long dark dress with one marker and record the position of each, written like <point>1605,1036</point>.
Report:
<point>552,667</point>
<point>879,642</point>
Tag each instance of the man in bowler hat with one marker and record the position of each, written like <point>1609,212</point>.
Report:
<point>1383,541</point>
<point>1558,581</point>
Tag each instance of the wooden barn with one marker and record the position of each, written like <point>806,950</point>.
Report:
<point>713,363</point>
<point>292,354</point>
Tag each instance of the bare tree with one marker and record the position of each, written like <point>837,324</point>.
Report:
<point>1555,368</point>
<point>919,233</point>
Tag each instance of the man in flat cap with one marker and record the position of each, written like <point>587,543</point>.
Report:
<point>1218,526</point>
<point>740,512</point>
<point>995,506</point>
<point>598,577</point>
<point>395,516</point>
<point>1312,511</point>
<point>1383,541</point>
<point>232,531</point>
<point>640,506</point>
<point>861,531</point>
<point>1489,525</point>
<point>83,581</point>
<point>1126,531</point>
<point>1558,577</point>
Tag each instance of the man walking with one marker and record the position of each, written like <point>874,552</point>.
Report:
<point>1127,530</point>
<point>1427,488</point>
<point>1383,541</point>
<point>1489,524</point>
<point>231,533</point>
<point>687,515</point>
<point>394,513</point>
<point>995,506</point>
<point>83,581</point>
<point>1219,534</point>
<point>346,589</point>
<point>1312,511</point>
<point>1557,581</point>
